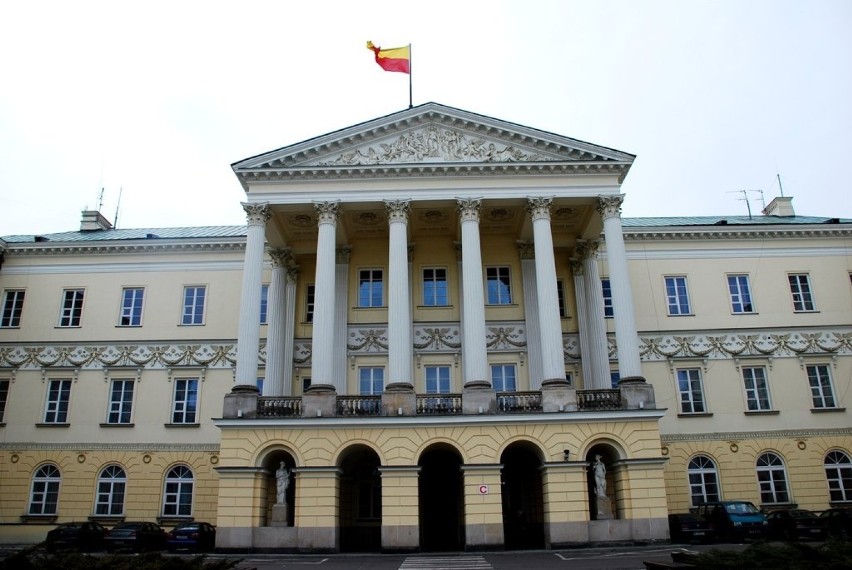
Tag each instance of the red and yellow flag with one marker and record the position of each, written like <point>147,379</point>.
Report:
<point>392,59</point>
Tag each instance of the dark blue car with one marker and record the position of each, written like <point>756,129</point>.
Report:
<point>196,536</point>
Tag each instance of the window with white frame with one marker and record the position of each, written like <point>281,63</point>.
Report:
<point>131,306</point>
<point>822,391</point>
<point>435,287</point>
<point>772,479</point>
<point>371,380</point>
<point>44,492</point>
<point>58,399</point>
<point>606,287</point>
<point>310,295</point>
<point>437,379</point>
<point>4,396</point>
<point>503,377</point>
<point>120,401</point>
<point>756,389</point>
<point>194,299</point>
<point>112,485</point>
<point>677,297</point>
<point>498,285</point>
<point>264,303</point>
<point>800,288</point>
<point>185,403</point>
<point>177,494</point>
<point>838,473</point>
<point>691,391</point>
<point>740,291</point>
<point>72,308</point>
<point>703,480</point>
<point>370,288</point>
<point>13,306</point>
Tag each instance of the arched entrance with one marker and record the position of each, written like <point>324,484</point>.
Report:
<point>523,504</point>
<point>441,495</point>
<point>360,501</point>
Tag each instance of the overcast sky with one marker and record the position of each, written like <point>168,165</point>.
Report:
<point>159,98</point>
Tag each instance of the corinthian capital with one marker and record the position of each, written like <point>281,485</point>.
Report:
<point>397,210</point>
<point>468,209</point>
<point>256,213</point>
<point>281,256</point>
<point>327,212</point>
<point>539,208</point>
<point>610,206</point>
<point>585,249</point>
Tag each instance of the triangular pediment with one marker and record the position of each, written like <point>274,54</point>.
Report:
<point>433,135</point>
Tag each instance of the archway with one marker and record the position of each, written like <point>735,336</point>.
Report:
<point>360,500</point>
<point>523,504</point>
<point>441,492</point>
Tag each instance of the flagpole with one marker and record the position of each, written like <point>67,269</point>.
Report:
<point>410,98</point>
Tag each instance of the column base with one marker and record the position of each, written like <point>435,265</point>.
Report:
<point>241,402</point>
<point>479,397</point>
<point>399,399</point>
<point>319,401</point>
<point>636,394</point>
<point>557,395</point>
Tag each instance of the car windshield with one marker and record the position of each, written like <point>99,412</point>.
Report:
<point>741,509</point>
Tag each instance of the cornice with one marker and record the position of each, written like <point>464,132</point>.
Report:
<point>114,248</point>
<point>89,446</point>
<point>784,232</point>
<point>751,435</point>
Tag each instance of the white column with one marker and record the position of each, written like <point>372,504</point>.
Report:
<point>292,278</point>
<point>474,349</point>
<point>598,343</point>
<point>341,317</point>
<point>248,335</point>
<point>534,358</point>
<point>322,357</point>
<point>400,351</point>
<point>582,322</point>
<point>626,335</point>
<point>550,329</point>
<point>273,384</point>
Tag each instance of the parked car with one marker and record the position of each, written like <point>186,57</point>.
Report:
<point>689,527</point>
<point>795,524</point>
<point>136,536</point>
<point>199,536</point>
<point>838,522</point>
<point>83,535</point>
<point>735,520</point>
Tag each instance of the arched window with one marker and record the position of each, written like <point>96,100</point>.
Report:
<point>44,495</point>
<point>112,482</point>
<point>838,472</point>
<point>177,497</point>
<point>772,479</point>
<point>703,480</point>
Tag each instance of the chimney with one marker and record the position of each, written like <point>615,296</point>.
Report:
<point>93,221</point>
<point>782,206</point>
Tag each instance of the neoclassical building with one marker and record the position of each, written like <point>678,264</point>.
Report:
<point>433,327</point>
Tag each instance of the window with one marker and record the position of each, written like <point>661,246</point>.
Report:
<point>370,288</point>
<point>58,397</point>
<point>131,307</point>
<point>310,295</point>
<point>185,404</point>
<point>677,298</point>
<point>838,472</point>
<point>120,402</point>
<point>435,287</point>
<point>503,377</point>
<point>772,479</point>
<point>371,381</point>
<point>614,379</point>
<point>306,383</point>
<point>703,480</point>
<point>13,305</point>
<point>72,308</point>
<point>112,483</point>
<point>740,291</point>
<point>560,298</point>
<point>800,288</point>
<point>264,303</point>
<point>259,383</point>
<point>177,496</point>
<point>499,285</point>
<point>822,392</point>
<point>607,298</point>
<point>4,395</point>
<point>756,389</point>
<point>437,379</point>
<point>44,495</point>
<point>691,391</point>
<point>193,305</point>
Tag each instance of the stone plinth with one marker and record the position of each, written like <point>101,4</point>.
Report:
<point>399,399</point>
<point>319,401</point>
<point>279,515</point>
<point>479,398</point>
<point>241,402</point>
<point>603,508</point>
<point>558,396</point>
<point>636,394</point>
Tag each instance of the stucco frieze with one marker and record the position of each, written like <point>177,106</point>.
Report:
<point>98,446</point>
<point>95,357</point>
<point>767,344</point>
<point>752,435</point>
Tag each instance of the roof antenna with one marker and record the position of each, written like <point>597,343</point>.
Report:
<point>117,206</point>
<point>746,200</point>
<point>101,199</point>
<point>778,176</point>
